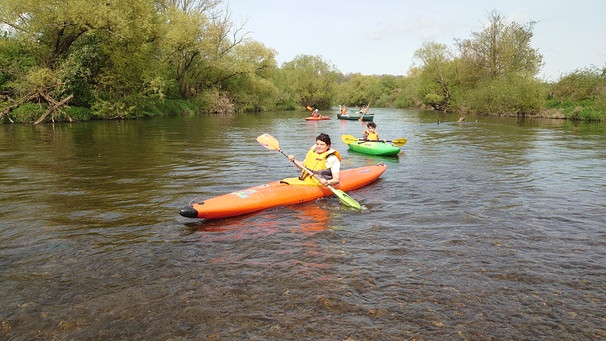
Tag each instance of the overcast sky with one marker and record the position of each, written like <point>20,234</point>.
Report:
<point>380,36</point>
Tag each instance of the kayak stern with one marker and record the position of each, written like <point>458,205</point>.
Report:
<point>189,212</point>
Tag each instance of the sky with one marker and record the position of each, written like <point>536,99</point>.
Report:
<point>376,37</point>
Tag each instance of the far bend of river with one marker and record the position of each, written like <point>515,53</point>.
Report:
<point>487,230</point>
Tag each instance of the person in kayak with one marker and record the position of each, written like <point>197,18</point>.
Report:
<point>321,160</point>
<point>370,134</point>
<point>343,110</point>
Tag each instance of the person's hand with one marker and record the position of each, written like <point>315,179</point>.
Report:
<point>291,158</point>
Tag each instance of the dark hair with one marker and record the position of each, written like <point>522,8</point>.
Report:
<point>371,125</point>
<point>324,138</point>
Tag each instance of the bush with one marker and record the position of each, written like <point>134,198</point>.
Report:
<point>79,113</point>
<point>507,95</point>
<point>27,113</point>
<point>580,85</point>
<point>580,95</point>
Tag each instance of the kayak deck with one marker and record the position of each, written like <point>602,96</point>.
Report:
<point>277,193</point>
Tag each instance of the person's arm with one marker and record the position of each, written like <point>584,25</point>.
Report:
<point>335,168</point>
<point>365,135</point>
<point>292,159</point>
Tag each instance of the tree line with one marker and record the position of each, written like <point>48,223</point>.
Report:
<point>83,60</point>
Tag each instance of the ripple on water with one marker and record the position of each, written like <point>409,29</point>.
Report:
<point>489,230</point>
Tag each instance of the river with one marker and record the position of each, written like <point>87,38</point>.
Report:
<point>491,229</point>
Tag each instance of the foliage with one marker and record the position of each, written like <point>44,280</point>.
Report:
<point>379,91</point>
<point>14,61</point>
<point>212,62</point>
<point>359,90</point>
<point>586,84</point>
<point>250,88</point>
<point>492,72</point>
<point>114,57</point>
<point>501,48</point>
<point>311,81</point>
<point>506,95</point>
<point>79,113</point>
<point>438,75</point>
<point>580,94</point>
<point>27,113</point>
<point>140,58</point>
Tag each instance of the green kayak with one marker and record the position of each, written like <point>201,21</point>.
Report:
<point>374,148</point>
<point>356,117</point>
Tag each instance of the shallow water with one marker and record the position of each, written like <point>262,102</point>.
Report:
<point>480,230</point>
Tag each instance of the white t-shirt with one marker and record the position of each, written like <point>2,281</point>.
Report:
<point>333,163</point>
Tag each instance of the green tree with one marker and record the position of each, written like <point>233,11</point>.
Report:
<point>438,75</point>
<point>253,66</point>
<point>378,91</point>
<point>496,70</point>
<point>311,81</point>
<point>502,47</point>
<point>355,89</point>
<point>101,49</point>
<point>211,58</point>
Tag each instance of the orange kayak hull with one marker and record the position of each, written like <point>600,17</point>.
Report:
<point>319,118</point>
<point>277,193</point>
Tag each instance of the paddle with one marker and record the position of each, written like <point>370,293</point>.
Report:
<point>270,142</point>
<point>364,112</point>
<point>347,139</point>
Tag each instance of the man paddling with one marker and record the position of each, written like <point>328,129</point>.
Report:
<point>322,160</point>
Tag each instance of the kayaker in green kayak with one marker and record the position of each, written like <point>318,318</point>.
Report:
<point>370,134</point>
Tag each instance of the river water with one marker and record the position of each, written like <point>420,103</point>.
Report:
<point>492,229</point>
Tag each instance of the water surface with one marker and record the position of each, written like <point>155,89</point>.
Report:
<point>480,230</point>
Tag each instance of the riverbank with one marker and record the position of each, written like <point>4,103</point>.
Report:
<point>30,113</point>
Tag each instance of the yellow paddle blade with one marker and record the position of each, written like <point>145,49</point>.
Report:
<point>399,142</point>
<point>347,139</point>
<point>269,142</point>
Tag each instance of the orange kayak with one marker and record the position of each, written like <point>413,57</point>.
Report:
<point>319,118</point>
<point>277,193</point>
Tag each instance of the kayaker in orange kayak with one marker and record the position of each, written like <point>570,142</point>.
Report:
<point>322,160</point>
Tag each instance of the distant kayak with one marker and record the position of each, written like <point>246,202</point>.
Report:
<point>356,117</point>
<point>319,118</point>
<point>277,193</point>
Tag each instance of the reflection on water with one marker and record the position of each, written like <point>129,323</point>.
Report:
<point>479,230</point>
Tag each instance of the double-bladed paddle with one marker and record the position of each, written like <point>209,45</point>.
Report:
<point>270,142</point>
<point>347,139</point>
